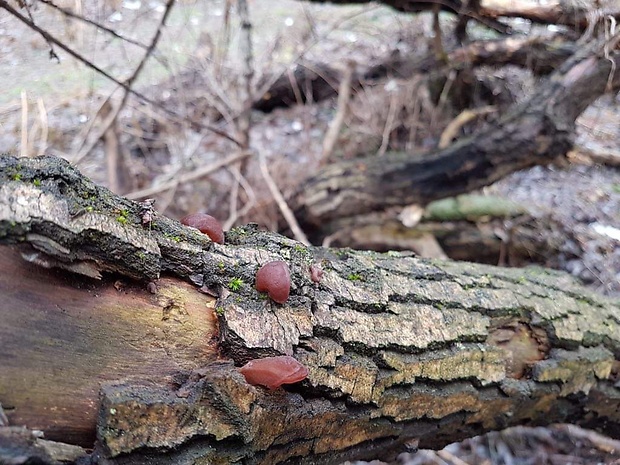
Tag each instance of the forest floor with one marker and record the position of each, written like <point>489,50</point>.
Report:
<point>51,108</point>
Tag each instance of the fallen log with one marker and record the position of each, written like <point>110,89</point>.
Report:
<point>397,347</point>
<point>541,54</point>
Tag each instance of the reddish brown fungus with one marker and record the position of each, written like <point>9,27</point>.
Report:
<point>275,279</point>
<point>205,224</point>
<point>273,372</point>
<point>316,273</point>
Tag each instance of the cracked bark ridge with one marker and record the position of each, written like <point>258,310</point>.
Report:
<point>64,220</point>
<point>397,347</point>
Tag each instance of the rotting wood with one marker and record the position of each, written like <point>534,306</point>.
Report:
<point>19,445</point>
<point>397,347</point>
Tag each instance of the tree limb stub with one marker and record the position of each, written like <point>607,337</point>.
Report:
<point>397,347</point>
<point>533,132</point>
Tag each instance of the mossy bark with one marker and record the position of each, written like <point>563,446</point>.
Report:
<point>397,347</point>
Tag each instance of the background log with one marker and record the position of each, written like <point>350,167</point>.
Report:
<point>533,132</point>
<point>320,81</point>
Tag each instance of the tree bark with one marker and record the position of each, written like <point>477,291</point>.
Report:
<point>533,132</point>
<point>397,347</point>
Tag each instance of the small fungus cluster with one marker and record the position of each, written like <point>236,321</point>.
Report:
<point>273,372</point>
<point>206,224</point>
<point>316,273</point>
<point>274,278</point>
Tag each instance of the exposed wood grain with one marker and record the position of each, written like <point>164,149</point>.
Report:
<point>61,337</point>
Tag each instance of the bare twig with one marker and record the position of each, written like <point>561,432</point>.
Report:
<point>327,242</point>
<point>167,198</point>
<point>4,421</point>
<point>24,152</point>
<point>44,127</point>
<point>452,129</point>
<point>611,41</point>
<point>47,36</point>
<point>389,123</point>
<point>233,202</point>
<point>218,99</point>
<point>450,458</point>
<point>223,47</point>
<point>601,442</point>
<point>112,151</point>
<point>196,174</point>
<point>240,181</point>
<point>52,52</point>
<point>51,39</point>
<point>111,117</point>
<point>443,97</point>
<point>440,54</point>
<point>344,96</point>
<point>295,86</point>
<point>244,117</point>
<point>149,51</point>
<point>100,26</point>
<point>281,202</point>
<point>317,39</point>
<point>186,147</point>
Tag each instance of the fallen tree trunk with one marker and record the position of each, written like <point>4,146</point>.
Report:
<point>533,132</point>
<point>62,336</point>
<point>397,347</point>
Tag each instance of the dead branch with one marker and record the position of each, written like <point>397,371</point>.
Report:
<point>78,17</point>
<point>111,116</point>
<point>286,211</point>
<point>533,132</point>
<point>451,131</point>
<point>243,120</point>
<point>189,177</point>
<point>344,95</point>
<point>542,54</point>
